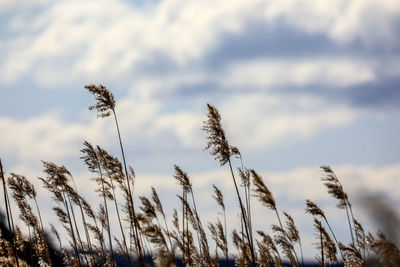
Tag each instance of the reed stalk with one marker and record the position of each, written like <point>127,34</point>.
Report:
<point>9,214</point>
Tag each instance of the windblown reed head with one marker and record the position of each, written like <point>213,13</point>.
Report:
<point>105,102</point>
<point>352,256</point>
<point>157,201</point>
<point>334,186</point>
<point>388,253</point>
<point>313,209</point>
<point>183,178</point>
<point>244,176</point>
<point>147,208</point>
<point>90,157</point>
<point>219,197</point>
<point>325,242</point>
<point>262,192</point>
<point>291,229</point>
<point>217,142</point>
<point>284,243</point>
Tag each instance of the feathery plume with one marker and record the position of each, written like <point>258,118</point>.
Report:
<point>262,192</point>
<point>313,209</point>
<point>105,102</point>
<point>157,201</point>
<point>217,142</point>
<point>352,256</point>
<point>183,178</point>
<point>147,208</point>
<point>386,250</point>
<point>291,229</point>
<point>325,244</point>
<point>219,197</point>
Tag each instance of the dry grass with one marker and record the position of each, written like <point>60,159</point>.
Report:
<point>91,241</point>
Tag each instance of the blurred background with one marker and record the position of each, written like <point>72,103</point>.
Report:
<point>298,84</point>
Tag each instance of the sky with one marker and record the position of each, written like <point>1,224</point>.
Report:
<point>298,84</point>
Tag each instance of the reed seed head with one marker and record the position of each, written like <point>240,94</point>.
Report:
<point>291,229</point>
<point>217,143</point>
<point>183,178</point>
<point>105,102</point>
<point>219,197</point>
<point>313,209</point>
<point>262,192</point>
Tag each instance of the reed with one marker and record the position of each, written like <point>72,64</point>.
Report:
<point>218,146</point>
<point>105,106</point>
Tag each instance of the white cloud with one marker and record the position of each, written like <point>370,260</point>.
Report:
<point>265,74</point>
<point>371,22</point>
<point>260,120</point>
<point>111,39</point>
<point>6,5</point>
<point>252,121</point>
<point>38,138</point>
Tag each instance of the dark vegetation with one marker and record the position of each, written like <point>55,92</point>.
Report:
<point>185,241</point>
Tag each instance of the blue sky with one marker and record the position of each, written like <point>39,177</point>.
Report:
<point>298,84</point>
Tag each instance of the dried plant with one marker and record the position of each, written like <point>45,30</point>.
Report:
<point>21,190</point>
<point>93,161</point>
<point>8,213</point>
<point>262,192</point>
<point>314,210</point>
<point>217,142</point>
<point>105,102</point>
<point>105,105</point>
<point>56,182</point>
<point>335,189</point>
<point>160,209</point>
<point>386,250</point>
<point>270,245</point>
<point>281,239</point>
<point>244,257</point>
<point>324,244</point>
<point>292,233</point>
<point>218,146</point>
<point>219,198</point>
<point>352,256</point>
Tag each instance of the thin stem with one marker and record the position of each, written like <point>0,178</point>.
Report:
<point>348,220</point>
<point>226,238</point>
<point>285,234</point>
<point>183,227</point>
<point>89,243</point>
<point>106,209</point>
<point>77,230</point>
<point>334,237</point>
<point>301,251</point>
<point>322,244</point>
<point>248,203</point>
<point>198,228</point>
<point>187,235</point>
<point>141,263</point>
<point>166,227</point>
<point>30,244</point>
<point>120,223</point>
<point>243,215</point>
<point>42,234</point>
<point>9,214</point>
<point>72,229</point>
<point>40,216</point>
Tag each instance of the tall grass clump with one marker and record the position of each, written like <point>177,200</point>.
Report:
<point>149,238</point>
